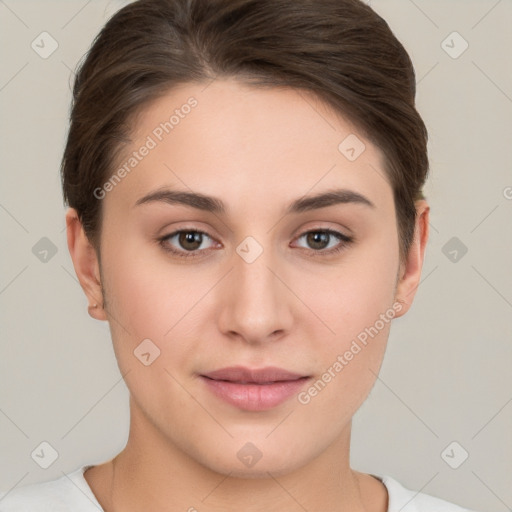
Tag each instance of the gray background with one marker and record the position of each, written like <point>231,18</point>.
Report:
<point>446,376</point>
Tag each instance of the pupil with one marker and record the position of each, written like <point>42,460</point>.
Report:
<point>189,237</point>
<point>318,237</point>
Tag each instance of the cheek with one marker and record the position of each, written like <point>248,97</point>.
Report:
<point>150,298</point>
<point>146,302</point>
<point>357,306</point>
<point>147,293</point>
<point>354,295</point>
<point>349,361</point>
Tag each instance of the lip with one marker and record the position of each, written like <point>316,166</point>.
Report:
<point>256,376</point>
<point>254,389</point>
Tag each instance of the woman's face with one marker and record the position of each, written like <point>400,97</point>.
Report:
<point>262,286</point>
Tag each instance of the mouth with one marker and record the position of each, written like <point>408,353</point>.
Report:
<point>242,375</point>
<point>254,389</point>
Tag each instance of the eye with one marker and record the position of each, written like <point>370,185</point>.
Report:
<point>188,240</point>
<point>319,239</point>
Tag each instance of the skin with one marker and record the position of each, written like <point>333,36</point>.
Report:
<point>257,150</point>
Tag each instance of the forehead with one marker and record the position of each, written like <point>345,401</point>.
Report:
<point>234,140</point>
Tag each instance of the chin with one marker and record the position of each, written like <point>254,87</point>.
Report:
<point>234,467</point>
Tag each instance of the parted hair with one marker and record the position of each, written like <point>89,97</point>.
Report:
<point>340,50</point>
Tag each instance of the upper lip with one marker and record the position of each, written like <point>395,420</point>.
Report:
<point>255,375</point>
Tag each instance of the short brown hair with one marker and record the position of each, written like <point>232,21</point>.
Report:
<point>340,50</point>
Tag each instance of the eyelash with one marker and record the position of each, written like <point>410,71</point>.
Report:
<point>347,240</point>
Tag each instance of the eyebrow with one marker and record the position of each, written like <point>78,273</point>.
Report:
<point>215,205</point>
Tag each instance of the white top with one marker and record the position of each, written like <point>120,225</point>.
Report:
<point>71,493</point>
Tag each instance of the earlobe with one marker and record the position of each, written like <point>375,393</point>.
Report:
<point>410,274</point>
<point>86,264</point>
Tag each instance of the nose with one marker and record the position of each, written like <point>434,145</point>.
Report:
<point>256,304</point>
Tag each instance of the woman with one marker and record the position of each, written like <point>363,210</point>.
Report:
<point>244,181</point>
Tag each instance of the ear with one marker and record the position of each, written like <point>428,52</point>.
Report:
<point>410,272</point>
<point>86,264</point>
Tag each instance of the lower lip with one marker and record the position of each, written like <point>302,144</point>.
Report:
<point>255,397</point>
